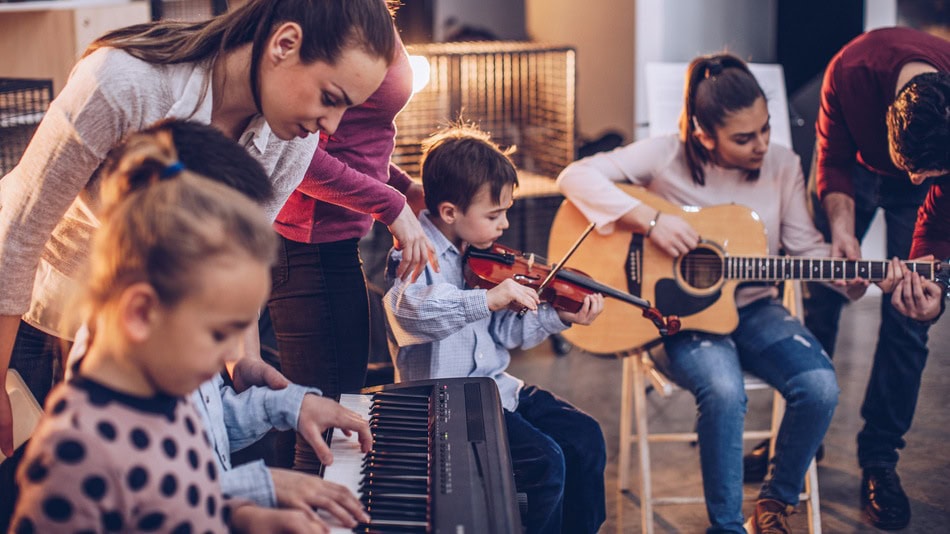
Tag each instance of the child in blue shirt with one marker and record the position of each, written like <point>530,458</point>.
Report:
<point>440,328</point>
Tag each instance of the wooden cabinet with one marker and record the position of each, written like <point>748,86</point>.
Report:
<point>44,39</point>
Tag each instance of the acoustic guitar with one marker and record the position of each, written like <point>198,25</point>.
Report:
<point>700,286</point>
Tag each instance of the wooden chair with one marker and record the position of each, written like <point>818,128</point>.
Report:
<point>638,368</point>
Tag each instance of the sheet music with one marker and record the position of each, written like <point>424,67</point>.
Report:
<point>665,98</point>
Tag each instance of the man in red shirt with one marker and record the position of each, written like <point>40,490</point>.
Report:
<point>918,126</point>
<point>853,176</point>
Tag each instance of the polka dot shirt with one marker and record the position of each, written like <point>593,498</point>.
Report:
<point>104,461</point>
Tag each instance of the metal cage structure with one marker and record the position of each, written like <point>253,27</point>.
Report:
<point>187,10</point>
<point>522,93</point>
<point>22,105</point>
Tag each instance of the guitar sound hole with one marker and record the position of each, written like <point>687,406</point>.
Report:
<point>701,268</point>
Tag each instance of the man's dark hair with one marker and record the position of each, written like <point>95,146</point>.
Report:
<point>457,161</point>
<point>918,123</point>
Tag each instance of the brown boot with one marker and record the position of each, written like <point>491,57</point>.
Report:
<point>771,517</point>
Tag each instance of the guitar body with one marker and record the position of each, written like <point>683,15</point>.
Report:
<point>628,261</point>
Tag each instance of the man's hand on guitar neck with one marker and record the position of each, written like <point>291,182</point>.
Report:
<point>669,233</point>
<point>913,295</point>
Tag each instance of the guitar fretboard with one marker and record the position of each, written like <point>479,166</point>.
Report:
<point>774,268</point>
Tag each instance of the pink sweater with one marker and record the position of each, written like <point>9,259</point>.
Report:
<point>351,181</point>
<point>105,461</point>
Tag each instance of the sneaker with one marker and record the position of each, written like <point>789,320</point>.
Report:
<point>755,465</point>
<point>771,517</point>
<point>883,499</point>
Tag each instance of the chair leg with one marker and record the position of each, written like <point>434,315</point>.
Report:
<point>626,422</point>
<point>813,502</point>
<point>778,412</point>
<point>643,444</point>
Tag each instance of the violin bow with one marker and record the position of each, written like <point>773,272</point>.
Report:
<point>557,267</point>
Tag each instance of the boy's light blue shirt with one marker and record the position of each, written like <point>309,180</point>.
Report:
<point>439,328</point>
<point>237,420</point>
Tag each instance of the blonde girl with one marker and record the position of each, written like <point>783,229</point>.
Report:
<point>177,272</point>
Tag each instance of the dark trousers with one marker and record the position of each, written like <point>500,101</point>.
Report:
<point>320,313</point>
<point>891,396</point>
<point>558,455</point>
<point>35,356</point>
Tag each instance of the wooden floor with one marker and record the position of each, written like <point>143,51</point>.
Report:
<point>593,384</point>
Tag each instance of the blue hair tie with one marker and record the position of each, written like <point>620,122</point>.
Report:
<point>172,169</point>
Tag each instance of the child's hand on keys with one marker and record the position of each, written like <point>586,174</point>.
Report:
<point>250,519</point>
<point>317,414</point>
<point>306,492</point>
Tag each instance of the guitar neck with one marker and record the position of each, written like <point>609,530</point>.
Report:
<point>776,268</point>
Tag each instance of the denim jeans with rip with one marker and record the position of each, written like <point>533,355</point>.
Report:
<point>773,345</point>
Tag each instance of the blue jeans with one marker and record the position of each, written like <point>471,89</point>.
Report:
<point>320,313</point>
<point>33,356</point>
<point>558,456</point>
<point>901,353</point>
<point>774,346</point>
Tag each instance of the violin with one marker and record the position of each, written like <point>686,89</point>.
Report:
<point>486,268</point>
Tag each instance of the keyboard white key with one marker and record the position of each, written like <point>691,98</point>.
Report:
<point>347,457</point>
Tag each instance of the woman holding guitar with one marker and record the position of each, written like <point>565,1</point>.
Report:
<point>722,156</point>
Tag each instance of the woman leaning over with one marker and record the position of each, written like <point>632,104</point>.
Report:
<point>268,74</point>
<point>319,305</point>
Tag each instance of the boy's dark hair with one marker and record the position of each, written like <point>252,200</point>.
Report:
<point>457,161</point>
<point>918,123</point>
<point>205,150</point>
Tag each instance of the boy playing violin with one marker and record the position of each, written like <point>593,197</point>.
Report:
<point>440,328</point>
